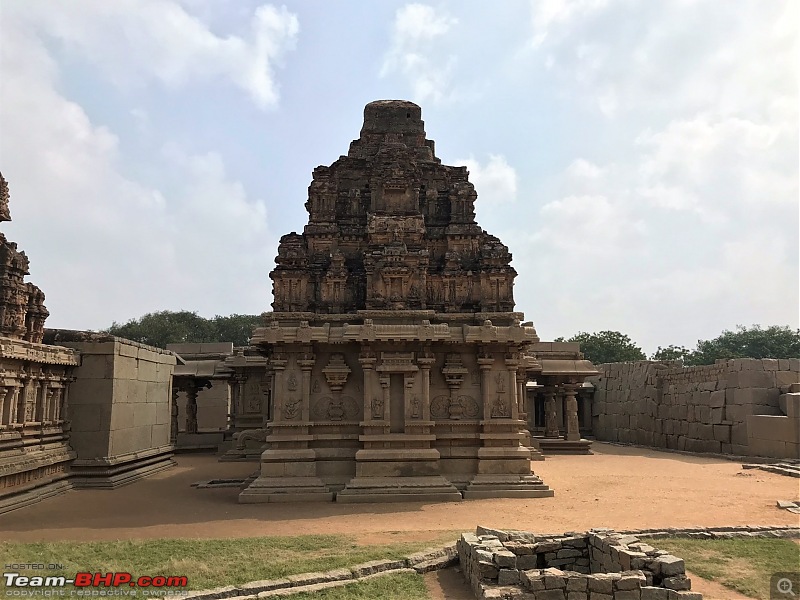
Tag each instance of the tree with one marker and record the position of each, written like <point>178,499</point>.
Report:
<point>167,327</point>
<point>606,347</point>
<point>236,328</point>
<point>773,342</point>
<point>673,353</point>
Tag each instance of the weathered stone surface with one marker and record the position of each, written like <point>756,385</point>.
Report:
<point>393,316</point>
<point>508,577</point>
<point>669,565</point>
<point>505,559</point>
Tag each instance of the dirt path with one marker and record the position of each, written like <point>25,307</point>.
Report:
<point>712,590</point>
<point>448,584</point>
<point>618,487</point>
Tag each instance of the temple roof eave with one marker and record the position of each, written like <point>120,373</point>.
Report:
<point>365,333</point>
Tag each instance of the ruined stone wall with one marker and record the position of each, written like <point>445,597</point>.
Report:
<point>698,409</point>
<point>120,411</point>
<point>588,566</point>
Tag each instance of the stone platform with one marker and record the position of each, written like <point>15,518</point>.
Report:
<point>550,446</point>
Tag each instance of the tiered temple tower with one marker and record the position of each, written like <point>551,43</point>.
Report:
<point>397,366</point>
<point>34,379</point>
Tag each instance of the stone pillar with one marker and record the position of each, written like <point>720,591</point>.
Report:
<point>63,409</point>
<point>306,364</point>
<point>33,402</point>
<point>550,412</point>
<point>278,364</point>
<point>521,398</point>
<point>408,392</point>
<point>571,412</point>
<point>385,382</point>
<point>266,399</point>
<point>19,405</point>
<point>425,362</point>
<point>512,364</point>
<point>173,411</point>
<point>454,372</point>
<point>51,394</point>
<point>191,408</point>
<point>368,360</point>
<point>6,400</point>
<point>485,364</point>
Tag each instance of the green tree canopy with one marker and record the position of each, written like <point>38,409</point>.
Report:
<point>606,347</point>
<point>168,327</point>
<point>672,353</point>
<point>754,342</point>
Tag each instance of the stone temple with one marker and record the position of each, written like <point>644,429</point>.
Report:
<point>397,366</point>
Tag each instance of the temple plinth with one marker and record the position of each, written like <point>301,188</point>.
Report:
<point>396,361</point>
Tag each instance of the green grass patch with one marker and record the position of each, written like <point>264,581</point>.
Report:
<point>742,564</point>
<point>397,586</point>
<point>208,563</point>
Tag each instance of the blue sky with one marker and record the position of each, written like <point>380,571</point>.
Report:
<point>639,158</point>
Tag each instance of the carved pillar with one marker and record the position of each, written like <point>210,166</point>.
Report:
<point>22,396</point>
<point>521,397</point>
<point>266,399</point>
<point>306,363</point>
<point>6,400</point>
<point>278,364</point>
<point>63,408</point>
<point>51,393</point>
<point>173,412</point>
<point>385,383</point>
<point>425,362</point>
<point>485,363</point>
<point>512,364</point>
<point>454,372</point>
<point>571,413</point>
<point>33,401</point>
<point>550,412</point>
<point>408,393</point>
<point>368,360</point>
<point>236,391</point>
<point>191,408</point>
<point>336,373</point>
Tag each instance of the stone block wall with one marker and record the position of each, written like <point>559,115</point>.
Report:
<point>120,411</point>
<point>711,408</point>
<point>596,565</point>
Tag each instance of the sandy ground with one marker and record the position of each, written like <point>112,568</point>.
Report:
<point>617,487</point>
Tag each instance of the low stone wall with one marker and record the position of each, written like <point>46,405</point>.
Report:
<point>712,408</point>
<point>598,565</point>
<point>119,409</point>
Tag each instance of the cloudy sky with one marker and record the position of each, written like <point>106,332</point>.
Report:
<point>639,158</point>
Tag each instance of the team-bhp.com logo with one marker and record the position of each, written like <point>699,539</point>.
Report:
<point>93,584</point>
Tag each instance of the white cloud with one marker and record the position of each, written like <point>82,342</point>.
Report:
<point>414,55</point>
<point>547,15</point>
<point>680,219</point>
<point>134,41</point>
<point>495,182</point>
<point>104,246</point>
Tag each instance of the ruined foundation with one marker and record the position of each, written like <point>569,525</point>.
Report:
<point>599,564</point>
